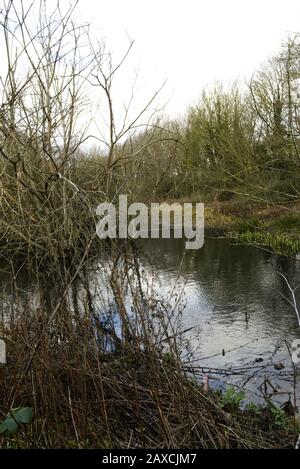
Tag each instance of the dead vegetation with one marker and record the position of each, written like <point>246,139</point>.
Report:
<point>96,373</point>
<point>102,373</point>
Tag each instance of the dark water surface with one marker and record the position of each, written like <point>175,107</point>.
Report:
<point>241,323</point>
<point>235,302</point>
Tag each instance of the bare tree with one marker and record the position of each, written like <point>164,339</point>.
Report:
<point>51,64</point>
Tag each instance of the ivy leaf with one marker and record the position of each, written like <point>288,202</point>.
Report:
<point>14,418</point>
<point>22,414</point>
<point>8,426</point>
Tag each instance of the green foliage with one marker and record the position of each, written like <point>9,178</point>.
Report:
<point>254,408</point>
<point>247,141</point>
<point>280,418</point>
<point>288,223</point>
<point>168,358</point>
<point>281,243</point>
<point>231,399</point>
<point>219,137</point>
<point>246,225</point>
<point>17,416</point>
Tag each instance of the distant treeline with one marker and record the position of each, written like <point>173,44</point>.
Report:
<point>244,140</point>
<point>240,140</point>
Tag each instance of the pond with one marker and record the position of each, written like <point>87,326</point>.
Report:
<point>237,304</point>
<point>238,320</point>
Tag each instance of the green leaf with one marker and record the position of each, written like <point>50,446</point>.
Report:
<point>22,414</point>
<point>15,417</point>
<point>8,426</point>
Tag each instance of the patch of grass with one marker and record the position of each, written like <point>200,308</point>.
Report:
<point>281,243</point>
<point>287,223</point>
<point>274,227</point>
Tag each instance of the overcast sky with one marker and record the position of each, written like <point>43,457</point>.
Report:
<point>192,43</point>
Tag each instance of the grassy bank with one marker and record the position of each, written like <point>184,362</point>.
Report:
<point>275,227</point>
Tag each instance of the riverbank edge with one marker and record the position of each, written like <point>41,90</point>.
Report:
<point>219,421</point>
<point>273,226</point>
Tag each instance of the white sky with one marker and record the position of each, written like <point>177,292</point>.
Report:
<point>191,43</point>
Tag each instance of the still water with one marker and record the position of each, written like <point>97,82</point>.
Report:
<point>234,304</point>
<point>237,304</point>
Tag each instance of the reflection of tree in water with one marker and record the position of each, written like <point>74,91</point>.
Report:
<point>237,278</point>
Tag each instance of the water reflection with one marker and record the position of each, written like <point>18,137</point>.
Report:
<point>235,302</point>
